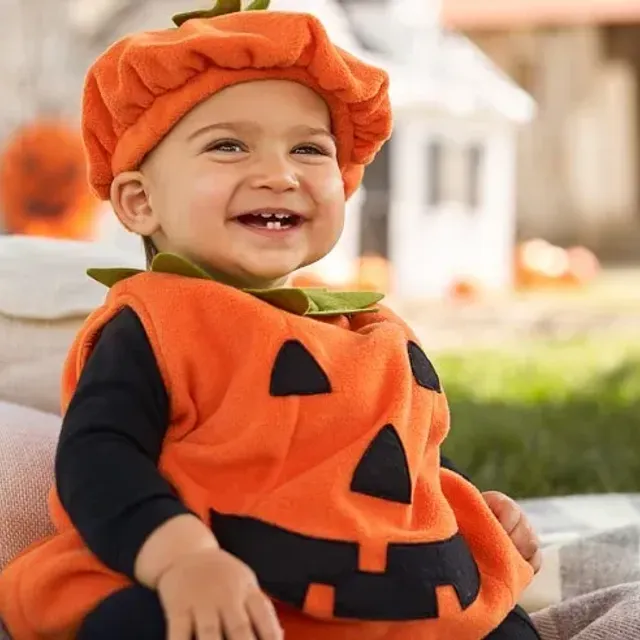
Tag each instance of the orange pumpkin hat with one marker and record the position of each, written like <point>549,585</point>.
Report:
<point>144,84</point>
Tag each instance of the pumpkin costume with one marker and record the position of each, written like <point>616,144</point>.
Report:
<point>392,546</point>
<point>328,482</point>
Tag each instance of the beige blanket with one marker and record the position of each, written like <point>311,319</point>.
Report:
<point>607,614</point>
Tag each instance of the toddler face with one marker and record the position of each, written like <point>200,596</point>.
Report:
<point>246,185</point>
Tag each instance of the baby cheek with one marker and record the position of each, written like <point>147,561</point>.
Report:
<point>208,189</point>
<point>331,208</point>
<point>329,188</point>
<point>328,194</point>
<point>208,199</point>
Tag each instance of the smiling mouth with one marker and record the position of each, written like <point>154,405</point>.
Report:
<point>271,220</point>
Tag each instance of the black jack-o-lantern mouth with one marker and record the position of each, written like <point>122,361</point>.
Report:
<point>288,564</point>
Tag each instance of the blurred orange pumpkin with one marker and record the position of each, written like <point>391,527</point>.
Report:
<point>43,186</point>
<point>539,264</point>
<point>464,290</point>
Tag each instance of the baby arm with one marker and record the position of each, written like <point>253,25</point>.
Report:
<point>107,460</point>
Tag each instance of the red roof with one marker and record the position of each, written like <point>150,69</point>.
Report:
<point>500,14</point>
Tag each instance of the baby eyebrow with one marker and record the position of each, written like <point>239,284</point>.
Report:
<point>319,131</point>
<point>224,126</point>
<point>250,126</point>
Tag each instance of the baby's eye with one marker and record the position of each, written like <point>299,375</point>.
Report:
<point>311,149</point>
<point>226,146</point>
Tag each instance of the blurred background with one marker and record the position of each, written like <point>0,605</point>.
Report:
<point>502,219</point>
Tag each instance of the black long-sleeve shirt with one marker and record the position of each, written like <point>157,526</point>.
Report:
<point>107,460</point>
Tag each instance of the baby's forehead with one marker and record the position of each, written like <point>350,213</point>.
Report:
<point>256,96</point>
<point>259,107</point>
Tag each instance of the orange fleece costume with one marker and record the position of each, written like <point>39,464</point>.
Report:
<point>346,410</point>
<point>333,491</point>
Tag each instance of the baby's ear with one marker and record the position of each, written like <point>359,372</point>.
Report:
<point>132,203</point>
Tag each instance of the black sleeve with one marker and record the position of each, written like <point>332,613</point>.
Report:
<point>106,463</point>
<point>446,463</point>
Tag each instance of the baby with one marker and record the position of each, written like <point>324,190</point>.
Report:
<point>239,459</point>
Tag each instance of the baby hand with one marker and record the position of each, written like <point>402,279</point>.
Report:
<point>210,595</point>
<point>516,524</point>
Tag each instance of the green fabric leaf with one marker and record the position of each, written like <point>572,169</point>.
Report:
<point>341,302</point>
<point>109,277</point>
<point>172,263</point>
<point>292,300</point>
<point>302,302</point>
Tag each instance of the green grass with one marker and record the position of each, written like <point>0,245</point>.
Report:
<point>547,419</point>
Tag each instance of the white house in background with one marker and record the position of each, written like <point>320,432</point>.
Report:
<point>453,156</point>
<point>439,200</point>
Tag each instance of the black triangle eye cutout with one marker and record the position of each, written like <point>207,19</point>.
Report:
<point>297,373</point>
<point>383,470</point>
<point>423,371</point>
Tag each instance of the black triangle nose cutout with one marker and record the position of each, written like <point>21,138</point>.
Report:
<point>383,471</point>
<point>296,373</point>
<point>423,371</point>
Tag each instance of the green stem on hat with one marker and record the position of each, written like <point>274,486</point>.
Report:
<point>258,5</point>
<point>220,8</point>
